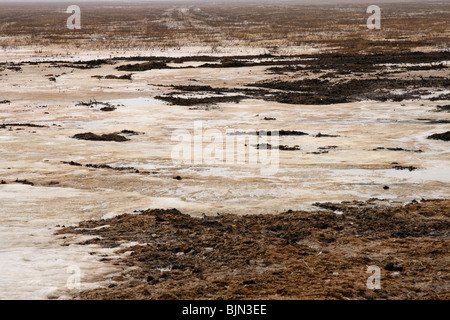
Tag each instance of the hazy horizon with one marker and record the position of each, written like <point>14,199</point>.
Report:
<point>219,1</point>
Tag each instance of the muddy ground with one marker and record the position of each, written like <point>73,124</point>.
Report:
<point>350,126</point>
<point>293,255</point>
<point>87,119</point>
<point>322,79</point>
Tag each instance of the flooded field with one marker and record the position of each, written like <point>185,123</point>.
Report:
<point>94,134</point>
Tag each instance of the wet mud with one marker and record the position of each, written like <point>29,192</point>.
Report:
<point>353,107</point>
<point>445,108</point>
<point>107,166</point>
<point>100,137</point>
<point>445,136</point>
<point>268,146</point>
<point>297,255</point>
<point>341,79</point>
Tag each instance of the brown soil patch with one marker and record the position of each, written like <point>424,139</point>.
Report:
<point>440,136</point>
<point>104,137</point>
<point>293,255</point>
<point>143,66</point>
<point>445,108</point>
<point>336,79</point>
<point>200,101</point>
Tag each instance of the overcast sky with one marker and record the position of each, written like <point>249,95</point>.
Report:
<point>273,1</point>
